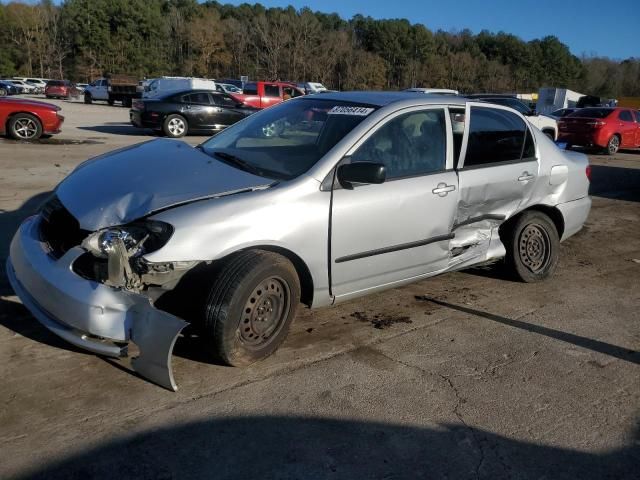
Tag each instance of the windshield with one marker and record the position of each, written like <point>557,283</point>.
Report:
<point>55,83</point>
<point>287,139</point>
<point>592,112</point>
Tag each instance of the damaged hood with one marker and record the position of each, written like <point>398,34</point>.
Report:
<point>122,186</point>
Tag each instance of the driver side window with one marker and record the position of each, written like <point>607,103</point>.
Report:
<point>409,145</point>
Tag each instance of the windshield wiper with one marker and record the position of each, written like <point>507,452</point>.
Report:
<point>237,162</point>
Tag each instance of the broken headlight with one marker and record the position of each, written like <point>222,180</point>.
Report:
<point>137,238</point>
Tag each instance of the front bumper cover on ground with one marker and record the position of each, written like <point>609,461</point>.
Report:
<point>91,316</point>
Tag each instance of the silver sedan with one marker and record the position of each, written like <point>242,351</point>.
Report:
<point>314,201</point>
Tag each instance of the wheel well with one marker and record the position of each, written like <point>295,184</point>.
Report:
<point>552,212</point>
<point>304,275</point>
<point>13,114</point>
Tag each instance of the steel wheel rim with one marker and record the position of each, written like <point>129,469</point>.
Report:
<point>25,128</point>
<point>176,126</point>
<point>265,312</point>
<point>534,247</point>
<point>614,143</point>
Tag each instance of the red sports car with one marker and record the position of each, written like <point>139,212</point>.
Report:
<point>28,119</point>
<point>608,128</point>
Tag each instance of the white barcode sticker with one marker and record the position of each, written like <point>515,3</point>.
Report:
<point>344,110</point>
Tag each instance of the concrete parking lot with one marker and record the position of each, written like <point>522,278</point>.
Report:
<point>467,375</point>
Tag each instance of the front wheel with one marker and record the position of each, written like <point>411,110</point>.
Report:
<point>532,245</point>
<point>613,145</point>
<point>3,92</point>
<point>175,126</point>
<point>250,306</point>
<point>24,126</point>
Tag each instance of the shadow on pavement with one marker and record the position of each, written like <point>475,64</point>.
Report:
<point>622,353</point>
<point>119,129</point>
<point>261,447</point>
<point>618,183</point>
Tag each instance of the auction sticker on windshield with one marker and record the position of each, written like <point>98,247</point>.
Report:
<point>344,110</point>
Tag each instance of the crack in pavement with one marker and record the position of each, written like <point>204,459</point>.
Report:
<point>456,409</point>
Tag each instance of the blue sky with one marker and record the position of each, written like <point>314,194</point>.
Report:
<point>587,26</point>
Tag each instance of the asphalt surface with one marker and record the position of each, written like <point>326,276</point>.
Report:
<point>466,375</point>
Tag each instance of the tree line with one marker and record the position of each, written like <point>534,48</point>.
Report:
<point>83,39</point>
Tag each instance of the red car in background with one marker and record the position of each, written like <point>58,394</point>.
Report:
<point>265,94</point>
<point>608,128</point>
<point>60,89</point>
<point>28,119</point>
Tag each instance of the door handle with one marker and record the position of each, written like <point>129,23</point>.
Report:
<point>443,189</point>
<point>525,177</point>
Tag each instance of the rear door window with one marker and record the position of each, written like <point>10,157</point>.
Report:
<point>495,137</point>
<point>201,98</point>
<point>250,89</point>
<point>272,91</point>
<point>637,114</point>
<point>625,116</point>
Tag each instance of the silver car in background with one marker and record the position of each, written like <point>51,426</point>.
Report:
<point>316,201</point>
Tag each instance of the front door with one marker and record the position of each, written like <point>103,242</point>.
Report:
<point>400,229</point>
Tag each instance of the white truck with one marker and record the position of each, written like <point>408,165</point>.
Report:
<point>159,86</point>
<point>114,88</point>
<point>552,99</point>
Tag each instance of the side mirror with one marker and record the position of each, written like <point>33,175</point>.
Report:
<point>361,172</point>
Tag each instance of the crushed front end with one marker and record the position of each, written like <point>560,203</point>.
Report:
<point>95,289</point>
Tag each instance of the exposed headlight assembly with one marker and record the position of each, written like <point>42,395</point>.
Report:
<point>137,239</point>
<point>121,245</point>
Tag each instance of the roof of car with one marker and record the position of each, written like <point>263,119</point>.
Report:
<point>381,99</point>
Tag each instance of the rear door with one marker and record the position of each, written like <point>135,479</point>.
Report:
<point>225,109</point>
<point>627,128</point>
<point>199,110</point>
<point>497,171</point>
<point>400,229</point>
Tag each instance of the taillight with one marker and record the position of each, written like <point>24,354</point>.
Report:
<point>588,172</point>
<point>596,124</point>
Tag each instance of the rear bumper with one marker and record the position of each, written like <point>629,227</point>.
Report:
<point>585,139</point>
<point>87,314</point>
<point>574,213</point>
<point>144,120</point>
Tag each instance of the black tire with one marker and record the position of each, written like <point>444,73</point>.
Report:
<point>250,306</point>
<point>3,92</point>
<point>175,126</point>
<point>24,126</point>
<point>532,246</point>
<point>568,146</point>
<point>87,99</point>
<point>127,102</point>
<point>550,134</point>
<point>111,102</point>
<point>613,145</point>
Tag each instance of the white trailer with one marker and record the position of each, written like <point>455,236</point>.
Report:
<point>552,99</point>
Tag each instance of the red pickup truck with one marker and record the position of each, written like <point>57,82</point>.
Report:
<point>265,94</point>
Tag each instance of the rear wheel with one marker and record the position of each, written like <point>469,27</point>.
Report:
<point>613,145</point>
<point>25,127</point>
<point>3,92</point>
<point>110,102</point>
<point>175,126</point>
<point>532,245</point>
<point>250,306</point>
<point>87,98</point>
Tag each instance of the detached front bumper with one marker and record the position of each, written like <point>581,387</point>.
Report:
<point>90,315</point>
